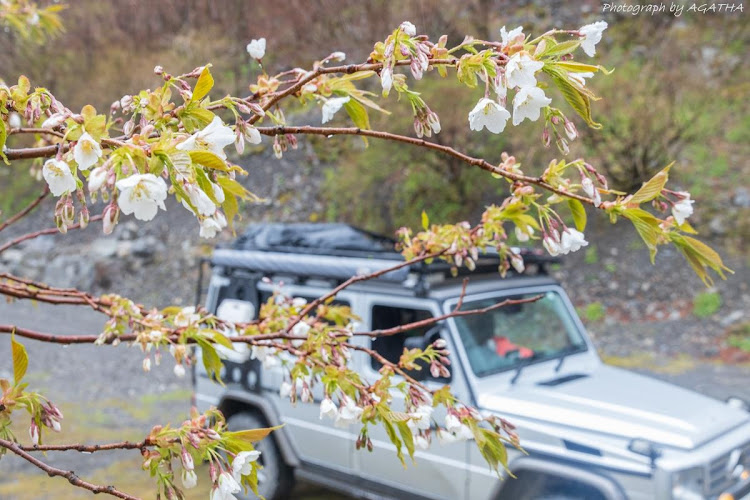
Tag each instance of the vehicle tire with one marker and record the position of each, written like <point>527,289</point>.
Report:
<point>276,478</point>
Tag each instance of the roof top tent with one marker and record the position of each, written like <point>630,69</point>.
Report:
<point>337,252</point>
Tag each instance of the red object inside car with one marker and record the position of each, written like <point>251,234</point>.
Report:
<point>503,346</point>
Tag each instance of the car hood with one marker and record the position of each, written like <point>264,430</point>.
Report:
<point>617,402</point>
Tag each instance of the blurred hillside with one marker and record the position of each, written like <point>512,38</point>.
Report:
<point>678,92</point>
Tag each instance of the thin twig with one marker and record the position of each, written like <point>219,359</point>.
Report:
<point>27,209</point>
<point>84,448</point>
<point>42,232</point>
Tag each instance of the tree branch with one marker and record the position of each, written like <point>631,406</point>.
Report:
<point>123,445</point>
<point>36,234</point>
<point>26,210</point>
<point>67,474</point>
<point>477,162</point>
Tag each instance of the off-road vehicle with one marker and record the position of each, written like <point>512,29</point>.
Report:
<point>590,431</point>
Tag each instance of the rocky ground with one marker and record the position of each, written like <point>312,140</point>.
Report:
<point>648,321</point>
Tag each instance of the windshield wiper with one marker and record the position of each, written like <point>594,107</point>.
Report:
<point>564,353</point>
<point>521,366</point>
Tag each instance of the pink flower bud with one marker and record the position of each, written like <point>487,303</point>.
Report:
<point>187,459</point>
<point>34,432</point>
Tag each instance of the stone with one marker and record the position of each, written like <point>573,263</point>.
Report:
<point>104,247</point>
<point>76,271</point>
<point>741,197</point>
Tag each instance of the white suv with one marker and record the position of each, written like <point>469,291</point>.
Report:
<point>591,431</point>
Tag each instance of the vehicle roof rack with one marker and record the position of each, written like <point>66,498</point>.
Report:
<point>339,251</point>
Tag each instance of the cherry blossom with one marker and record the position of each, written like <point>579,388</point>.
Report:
<point>328,409</point>
<point>551,243</point>
<point>421,443</point>
<point>199,199</point>
<point>142,195</point>
<point>488,113</point>
<point>408,28</point>
<point>225,488</point>
<point>179,370</point>
<point>243,463</point>
<point>86,151</point>
<point>189,479</point>
<point>683,208</point>
<point>215,137</point>
<point>512,36</point>
<point>59,177</point>
<point>332,106</point>
<point>420,418</point>
<point>257,48</point>
<point>520,70</point>
<point>528,103</point>
<point>97,178</point>
<point>572,240</point>
<point>591,34</point>
<point>348,414</point>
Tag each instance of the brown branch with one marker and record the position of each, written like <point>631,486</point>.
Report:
<point>377,134</point>
<point>31,130</point>
<point>83,448</point>
<point>67,474</point>
<point>36,234</point>
<point>26,210</point>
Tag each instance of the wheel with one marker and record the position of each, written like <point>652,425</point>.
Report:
<point>276,478</point>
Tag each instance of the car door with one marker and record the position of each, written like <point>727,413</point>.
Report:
<point>317,441</point>
<point>440,471</point>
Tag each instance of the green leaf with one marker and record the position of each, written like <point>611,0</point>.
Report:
<point>579,214</point>
<point>20,358</point>
<point>222,339</point>
<point>652,188</point>
<point>3,138</point>
<point>209,160</point>
<point>425,221</point>
<point>358,114</point>
<point>203,85</point>
<point>579,101</point>
<point>647,226</point>
<point>561,49</point>
<point>211,360</point>
<point>250,436</point>
<point>406,436</point>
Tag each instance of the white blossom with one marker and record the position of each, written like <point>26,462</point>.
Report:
<point>97,178</point>
<point>445,437</point>
<point>142,195</point>
<point>14,120</point>
<point>265,355</point>
<point>257,48</point>
<point>591,34</point>
<point>210,227</point>
<point>552,245</point>
<point>520,70</point>
<point>517,262</point>
<point>226,487</point>
<point>408,28</point>
<point>243,463</point>
<point>524,236</point>
<point>55,120</point>
<point>420,442</point>
<point>386,80</point>
<point>34,432</point>
<point>588,187</point>
<point>328,409</point>
<point>348,414</point>
<point>452,423</point>
<point>509,37</point>
<point>528,103</point>
<point>186,317</point>
<point>683,209</point>
<point>337,56</point>
<point>146,364</point>
<point>464,433</point>
<point>86,151</point>
<point>285,390</point>
<point>252,135</point>
<point>332,106</point>
<point>199,199</point>
<point>179,370</point>
<point>572,240</point>
<point>420,418</point>
<point>488,113</point>
<point>580,78</point>
<point>58,176</point>
<point>189,479</point>
<point>215,137</point>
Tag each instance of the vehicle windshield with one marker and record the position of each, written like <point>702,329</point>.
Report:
<point>514,335</point>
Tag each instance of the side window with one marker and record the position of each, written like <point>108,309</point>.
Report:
<point>392,346</point>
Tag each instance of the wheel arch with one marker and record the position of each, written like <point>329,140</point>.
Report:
<point>557,470</point>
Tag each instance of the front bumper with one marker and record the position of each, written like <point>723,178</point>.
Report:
<point>740,491</point>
